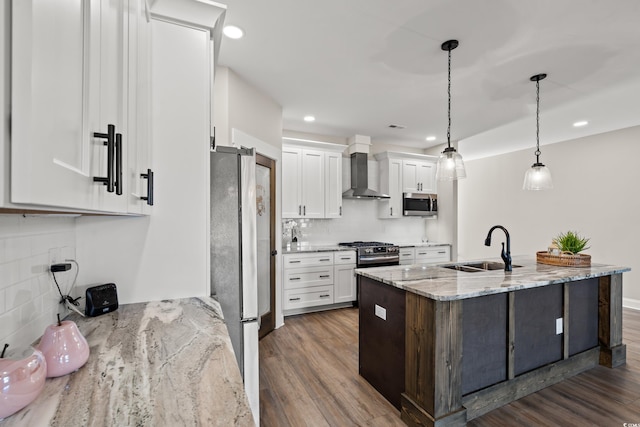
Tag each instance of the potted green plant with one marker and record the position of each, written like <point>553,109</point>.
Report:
<point>565,251</point>
<point>571,242</point>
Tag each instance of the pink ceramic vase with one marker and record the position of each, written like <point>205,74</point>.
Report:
<point>64,348</point>
<point>21,380</point>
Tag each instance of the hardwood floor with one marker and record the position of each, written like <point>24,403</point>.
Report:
<point>309,377</point>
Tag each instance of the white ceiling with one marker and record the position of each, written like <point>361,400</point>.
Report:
<point>361,65</point>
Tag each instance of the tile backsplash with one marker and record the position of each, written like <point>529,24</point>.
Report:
<point>29,299</point>
<point>359,222</point>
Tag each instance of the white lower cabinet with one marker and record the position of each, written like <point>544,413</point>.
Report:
<point>316,279</point>
<point>407,256</point>
<point>433,254</point>
<point>344,277</point>
<point>425,254</point>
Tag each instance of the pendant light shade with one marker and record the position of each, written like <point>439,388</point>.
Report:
<point>450,165</point>
<point>538,177</point>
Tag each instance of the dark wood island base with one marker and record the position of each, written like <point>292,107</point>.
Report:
<point>466,357</point>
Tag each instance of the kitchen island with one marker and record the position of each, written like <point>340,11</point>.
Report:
<point>467,342</point>
<point>161,363</point>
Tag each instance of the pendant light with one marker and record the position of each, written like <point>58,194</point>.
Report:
<point>538,177</point>
<point>450,164</point>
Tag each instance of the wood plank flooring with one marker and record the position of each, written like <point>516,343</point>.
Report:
<point>309,377</point>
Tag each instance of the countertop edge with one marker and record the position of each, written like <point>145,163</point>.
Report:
<point>440,275</point>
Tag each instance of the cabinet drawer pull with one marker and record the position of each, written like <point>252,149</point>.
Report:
<point>118,177</point>
<point>345,257</point>
<point>325,296</point>
<point>324,276</point>
<point>294,278</point>
<point>110,142</point>
<point>405,254</point>
<point>324,259</point>
<point>149,177</point>
<point>442,252</point>
<point>294,262</point>
<point>294,299</point>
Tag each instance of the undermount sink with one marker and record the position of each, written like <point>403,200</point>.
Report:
<point>475,267</point>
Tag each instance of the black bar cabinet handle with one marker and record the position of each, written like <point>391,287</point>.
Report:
<point>118,178</point>
<point>110,142</point>
<point>149,177</point>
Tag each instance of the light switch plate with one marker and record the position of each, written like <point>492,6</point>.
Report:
<point>559,326</point>
<point>381,312</point>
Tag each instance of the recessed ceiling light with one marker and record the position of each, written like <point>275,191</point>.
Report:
<point>580,123</point>
<point>431,138</point>
<point>233,32</point>
<point>309,119</point>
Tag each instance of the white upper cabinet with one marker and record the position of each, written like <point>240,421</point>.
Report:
<point>69,83</point>
<point>403,173</point>
<point>312,180</point>
<point>291,182</point>
<point>333,181</point>
<point>313,184</point>
<point>390,184</point>
<point>139,172</point>
<point>418,176</point>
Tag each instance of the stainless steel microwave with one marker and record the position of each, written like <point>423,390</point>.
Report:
<point>419,204</point>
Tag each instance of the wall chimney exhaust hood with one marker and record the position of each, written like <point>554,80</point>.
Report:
<point>359,180</point>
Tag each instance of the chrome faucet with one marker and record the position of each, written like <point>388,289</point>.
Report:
<point>506,256</point>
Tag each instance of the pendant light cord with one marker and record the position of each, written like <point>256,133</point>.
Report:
<point>537,153</point>
<point>449,104</point>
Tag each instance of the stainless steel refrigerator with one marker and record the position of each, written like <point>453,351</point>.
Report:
<point>234,277</point>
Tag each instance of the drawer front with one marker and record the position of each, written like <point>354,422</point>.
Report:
<point>309,259</point>
<point>311,297</point>
<point>309,276</point>
<point>407,255</point>
<point>344,257</point>
<point>435,254</point>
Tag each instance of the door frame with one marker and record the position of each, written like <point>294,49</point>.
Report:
<point>268,321</point>
<point>243,139</point>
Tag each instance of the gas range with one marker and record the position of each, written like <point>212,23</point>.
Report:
<point>374,254</point>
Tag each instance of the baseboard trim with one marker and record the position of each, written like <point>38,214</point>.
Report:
<point>631,303</point>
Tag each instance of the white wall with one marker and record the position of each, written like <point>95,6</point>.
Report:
<point>595,193</point>
<point>240,105</point>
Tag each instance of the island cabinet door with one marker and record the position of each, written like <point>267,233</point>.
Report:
<point>536,340</point>
<point>382,337</point>
<point>582,306</point>
<point>484,341</point>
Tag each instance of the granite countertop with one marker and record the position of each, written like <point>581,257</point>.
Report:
<point>421,244</point>
<point>160,363</point>
<point>302,248</point>
<point>444,284</point>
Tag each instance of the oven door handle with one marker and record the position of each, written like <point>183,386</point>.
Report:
<point>373,259</point>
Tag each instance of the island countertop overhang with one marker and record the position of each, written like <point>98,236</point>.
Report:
<point>442,284</point>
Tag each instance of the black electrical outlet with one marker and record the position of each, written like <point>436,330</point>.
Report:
<point>60,267</point>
